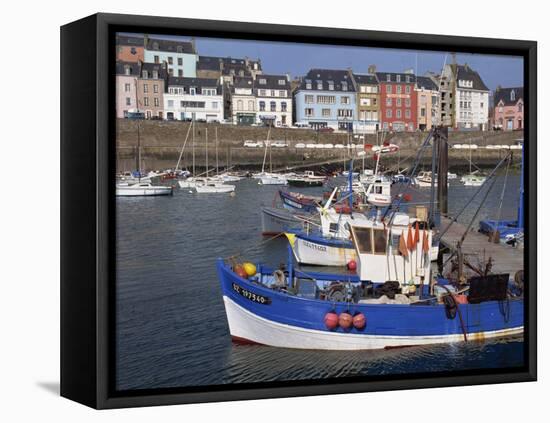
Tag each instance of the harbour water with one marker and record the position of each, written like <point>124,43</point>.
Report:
<point>171,329</point>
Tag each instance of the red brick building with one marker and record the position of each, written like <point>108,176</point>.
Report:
<point>398,101</point>
<point>129,49</point>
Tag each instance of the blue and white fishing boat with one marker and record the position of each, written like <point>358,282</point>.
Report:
<point>298,202</point>
<point>387,304</point>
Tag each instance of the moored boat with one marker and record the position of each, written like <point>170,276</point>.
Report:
<point>142,189</point>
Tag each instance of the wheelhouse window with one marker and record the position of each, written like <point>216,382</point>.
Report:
<point>363,237</point>
<point>380,241</point>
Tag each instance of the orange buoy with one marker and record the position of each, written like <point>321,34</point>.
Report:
<point>345,320</point>
<point>331,320</point>
<point>407,197</point>
<point>239,270</point>
<point>352,265</point>
<point>359,321</point>
<point>249,268</point>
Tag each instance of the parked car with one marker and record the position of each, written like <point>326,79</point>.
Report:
<point>300,145</point>
<point>279,144</point>
<point>250,143</point>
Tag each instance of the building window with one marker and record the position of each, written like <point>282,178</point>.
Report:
<point>272,93</point>
<point>262,93</point>
<point>192,91</point>
<point>283,106</point>
<point>398,102</point>
<point>128,101</point>
<point>272,106</point>
<point>171,72</point>
<point>309,99</point>
<point>155,74</point>
<point>282,93</point>
<point>520,107</point>
<point>144,74</point>
<point>388,89</point>
<point>344,100</point>
<point>345,113</point>
<point>155,88</point>
<point>319,85</point>
<point>344,86</point>
<point>388,77</point>
<point>157,59</point>
<point>407,89</point>
<point>262,106</point>
<point>408,114</point>
<point>326,99</point>
<point>180,61</point>
<point>145,88</point>
<point>250,104</point>
<point>282,82</point>
<point>180,73</point>
<point>422,112</point>
<point>331,85</point>
<point>325,113</point>
<point>214,104</point>
<point>127,70</point>
<point>308,84</point>
<point>170,103</point>
<point>146,101</point>
<point>408,102</point>
<point>170,60</point>
<point>388,113</point>
<point>127,88</point>
<point>388,102</point>
<point>398,113</point>
<point>398,89</point>
<point>397,78</point>
<point>262,81</point>
<point>157,102</point>
<point>239,104</point>
<point>309,112</point>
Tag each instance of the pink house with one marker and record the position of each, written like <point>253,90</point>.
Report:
<point>509,108</point>
<point>127,75</point>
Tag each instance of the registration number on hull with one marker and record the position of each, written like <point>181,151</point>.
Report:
<point>251,296</point>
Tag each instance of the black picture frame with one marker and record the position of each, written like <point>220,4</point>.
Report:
<point>87,207</point>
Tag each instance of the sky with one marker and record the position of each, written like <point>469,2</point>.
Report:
<point>296,59</point>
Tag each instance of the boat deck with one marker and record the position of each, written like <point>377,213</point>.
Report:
<point>506,259</point>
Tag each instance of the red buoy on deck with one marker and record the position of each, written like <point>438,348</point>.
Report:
<point>407,197</point>
<point>331,320</point>
<point>359,321</point>
<point>352,265</point>
<point>345,320</point>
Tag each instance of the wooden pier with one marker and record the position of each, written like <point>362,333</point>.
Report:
<point>506,259</point>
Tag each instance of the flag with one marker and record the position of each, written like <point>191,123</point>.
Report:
<point>425,242</point>
<point>417,234</point>
<point>403,245</point>
<point>410,242</point>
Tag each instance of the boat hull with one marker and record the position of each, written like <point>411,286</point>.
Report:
<point>290,321</point>
<point>143,192</point>
<point>276,221</point>
<point>214,189</point>
<point>321,252</point>
<point>292,203</point>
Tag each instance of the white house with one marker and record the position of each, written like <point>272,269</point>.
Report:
<point>273,100</point>
<point>198,98</point>
<point>470,97</point>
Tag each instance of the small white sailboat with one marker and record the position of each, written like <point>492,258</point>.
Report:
<point>143,186</point>
<point>214,184</point>
<point>142,189</point>
<point>472,179</point>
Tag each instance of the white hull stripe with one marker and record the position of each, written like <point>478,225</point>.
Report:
<point>247,326</point>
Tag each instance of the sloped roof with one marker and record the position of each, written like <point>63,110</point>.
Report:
<point>157,44</point>
<point>395,77</point>
<point>505,95</point>
<point>128,40</point>
<point>324,76</point>
<point>464,72</point>
<point>120,68</point>
<point>426,83</point>
<point>365,78</point>
<point>198,83</point>
<point>271,82</point>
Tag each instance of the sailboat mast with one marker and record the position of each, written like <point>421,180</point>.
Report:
<point>206,147</point>
<point>139,153</point>
<point>193,123</point>
<point>217,163</point>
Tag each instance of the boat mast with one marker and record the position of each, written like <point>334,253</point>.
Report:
<point>138,138</point>
<point>217,163</point>
<point>265,150</point>
<point>206,148</point>
<point>193,123</point>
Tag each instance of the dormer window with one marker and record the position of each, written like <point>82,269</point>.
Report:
<point>179,49</point>
<point>344,86</point>
<point>319,85</point>
<point>512,95</point>
<point>408,78</point>
<point>262,81</point>
<point>331,85</point>
<point>144,74</point>
<point>127,70</point>
<point>388,78</point>
<point>155,46</point>
<point>192,90</point>
<point>398,78</point>
<point>155,74</point>
<point>308,84</point>
<point>281,82</point>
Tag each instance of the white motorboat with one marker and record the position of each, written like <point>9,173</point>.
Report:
<point>142,189</point>
<point>272,179</point>
<point>472,180</point>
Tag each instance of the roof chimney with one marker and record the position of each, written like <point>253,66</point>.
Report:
<point>372,69</point>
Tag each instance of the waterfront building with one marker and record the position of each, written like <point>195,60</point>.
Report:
<point>368,102</point>
<point>198,98</point>
<point>427,94</point>
<point>273,100</point>
<point>243,101</point>
<point>398,101</point>
<point>180,56</point>
<point>129,48</point>
<point>151,86</point>
<point>464,98</point>
<point>508,108</point>
<point>326,98</point>
<point>126,76</point>
<point>229,67</point>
